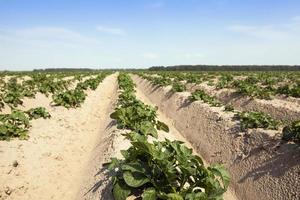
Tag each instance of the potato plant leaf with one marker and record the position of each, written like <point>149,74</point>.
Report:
<point>134,179</point>
<point>162,126</point>
<point>149,194</point>
<point>121,191</point>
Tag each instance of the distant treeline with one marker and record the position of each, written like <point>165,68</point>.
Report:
<point>227,68</point>
<point>83,69</point>
<point>62,69</point>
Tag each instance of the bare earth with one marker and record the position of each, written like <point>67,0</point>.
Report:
<point>52,162</point>
<point>174,134</point>
<point>64,156</point>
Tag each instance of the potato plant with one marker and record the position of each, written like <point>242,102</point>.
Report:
<point>165,170</point>
<point>262,85</point>
<point>39,112</point>
<point>201,95</point>
<point>12,93</point>
<point>15,124</point>
<point>159,169</point>
<point>178,86</point>
<point>256,120</point>
<point>292,132</point>
<point>70,98</point>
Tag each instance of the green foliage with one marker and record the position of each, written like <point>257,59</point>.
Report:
<point>256,120</point>
<point>160,169</point>
<point>292,132</point>
<point>166,170</point>
<point>134,114</point>
<point>13,93</point>
<point>12,98</point>
<point>262,85</point>
<point>224,81</point>
<point>49,86</point>
<point>70,98</point>
<point>126,83</point>
<point>178,87</point>
<point>160,81</point>
<point>35,113</point>
<point>29,88</point>
<point>138,117</point>
<point>290,90</point>
<point>91,83</point>
<point>17,123</point>
<point>252,90</point>
<point>13,125</point>
<point>201,95</point>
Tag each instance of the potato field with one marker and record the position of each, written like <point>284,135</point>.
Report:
<point>151,135</point>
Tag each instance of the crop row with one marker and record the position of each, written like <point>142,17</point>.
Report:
<point>13,92</point>
<point>264,85</point>
<point>248,119</point>
<point>17,122</point>
<point>161,169</point>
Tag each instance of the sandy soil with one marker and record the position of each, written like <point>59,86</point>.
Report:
<point>279,109</point>
<point>174,134</point>
<point>52,162</point>
<point>261,167</point>
<point>64,156</point>
<point>96,184</point>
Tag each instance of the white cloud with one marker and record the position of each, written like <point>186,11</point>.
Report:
<point>150,56</point>
<point>110,30</point>
<point>46,35</point>
<point>287,31</point>
<point>264,32</point>
<point>296,18</point>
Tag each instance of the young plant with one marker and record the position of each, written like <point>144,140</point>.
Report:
<point>35,113</point>
<point>292,132</point>
<point>251,90</point>
<point>224,81</point>
<point>12,98</point>
<point>290,90</point>
<point>256,120</point>
<point>201,95</point>
<point>70,98</point>
<point>178,87</point>
<point>160,169</point>
<point>165,170</point>
<point>15,124</point>
<point>134,114</point>
<point>138,117</point>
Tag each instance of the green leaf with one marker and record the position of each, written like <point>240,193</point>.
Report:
<point>162,126</point>
<point>114,115</point>
<point>196,196</point>
<point>134,179</point>
<point>174,196</point>
<point>121,191</point>
<point>147,128</point>
<point>220,171</point>
<point>149,194</point>
<point>134,167</point>
<point>113,164</point>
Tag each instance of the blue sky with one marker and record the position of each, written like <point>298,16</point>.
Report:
<point>143,33</point>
